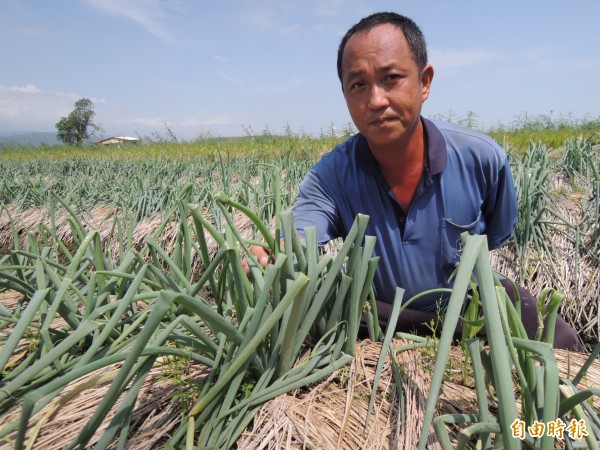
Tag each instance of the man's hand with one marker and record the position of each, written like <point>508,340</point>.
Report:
<point>260,253</point>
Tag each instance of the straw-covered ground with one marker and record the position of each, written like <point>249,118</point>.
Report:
<point>331,414</point>
<point>570,270</point>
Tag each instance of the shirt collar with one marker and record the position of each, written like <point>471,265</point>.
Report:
<point>437,154</point>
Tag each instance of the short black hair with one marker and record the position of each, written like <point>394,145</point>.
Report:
<point>412,33</point>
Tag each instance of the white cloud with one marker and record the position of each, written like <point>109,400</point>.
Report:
<point>67,95</point>
<point>271,21</point>
<point>289,29</point>
<point>329,8</point>
<point>27,89</point>
<point>275,89</point>
<point>150,14</point>
<point>22,30</point>
<point>30,107</point>
<point>448,62</point>
<point>541,52</point>
<point>230,78</point>
<point>262,19</point>
<point>150,122</point>
<point>197,122</point>
<point>220,59</point>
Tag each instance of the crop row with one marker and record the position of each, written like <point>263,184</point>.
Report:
<point>128,191</point>
<point>83,319</point>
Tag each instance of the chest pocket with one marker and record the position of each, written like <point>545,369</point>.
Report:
<point>451,243</point>
<point>461,211</point>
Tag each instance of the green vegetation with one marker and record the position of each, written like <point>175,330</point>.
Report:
<point>547,130</point>
<point>92,312</point>
<point>79,124</point>
<point>544,396</point>
<point>106,306</point>
<point>518,140</point>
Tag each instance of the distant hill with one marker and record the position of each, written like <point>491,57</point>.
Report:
<point>36,138</point>
<point>28,138</point>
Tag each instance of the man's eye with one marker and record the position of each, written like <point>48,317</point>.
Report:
<point>357,85</point>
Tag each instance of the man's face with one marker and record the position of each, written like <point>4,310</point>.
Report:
<point>383,86</point>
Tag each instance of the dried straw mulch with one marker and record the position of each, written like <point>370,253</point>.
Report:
<point>328,415</point>
<point>157,413</point>
<point>573,271</point>
<point>156,416</point>
<point>103,220</point>
<point>332,414</point>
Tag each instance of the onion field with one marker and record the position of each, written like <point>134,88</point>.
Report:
<point>121,269</point>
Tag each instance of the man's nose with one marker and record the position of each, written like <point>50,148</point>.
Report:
<point>378,97</point>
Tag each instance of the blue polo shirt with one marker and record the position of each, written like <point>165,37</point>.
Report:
<point>467,185</point>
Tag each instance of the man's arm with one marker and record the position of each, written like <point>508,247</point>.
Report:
<point>500,208</point>
<point>316,207</point>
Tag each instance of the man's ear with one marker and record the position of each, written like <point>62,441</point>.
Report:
<point>426,79</point>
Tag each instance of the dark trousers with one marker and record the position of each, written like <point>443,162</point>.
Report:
<point>418,322</point>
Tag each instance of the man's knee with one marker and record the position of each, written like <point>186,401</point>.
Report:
<point>565,336</point>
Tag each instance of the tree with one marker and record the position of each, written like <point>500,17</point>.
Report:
<point>78,125</point>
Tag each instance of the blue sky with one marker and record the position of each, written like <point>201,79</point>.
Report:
<point>231,67</point>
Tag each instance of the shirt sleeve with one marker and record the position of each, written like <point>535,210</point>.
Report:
<point>500,208</point>
<point>316,207</point>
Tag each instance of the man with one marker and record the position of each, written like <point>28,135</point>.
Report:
<point>422,182</point>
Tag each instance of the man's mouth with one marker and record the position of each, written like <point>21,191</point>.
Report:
<point>382,121</point>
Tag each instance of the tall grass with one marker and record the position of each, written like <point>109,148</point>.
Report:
<point>548,129</point>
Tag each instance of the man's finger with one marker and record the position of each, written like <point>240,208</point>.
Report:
<point>260,253</point>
